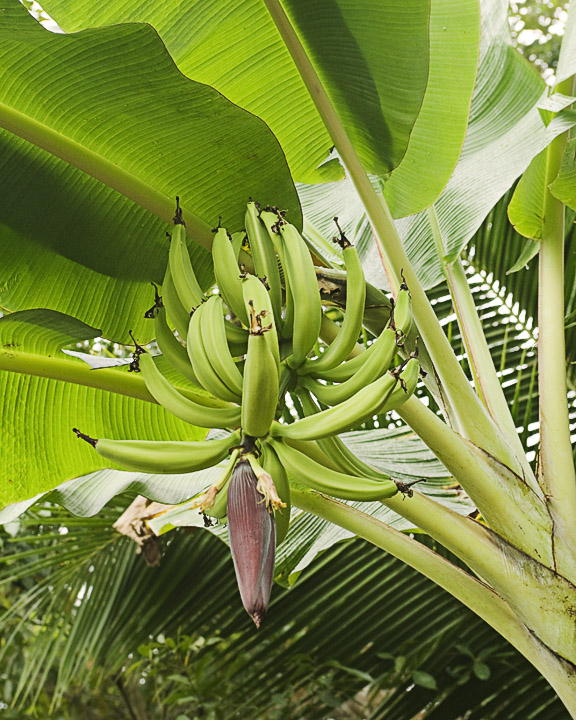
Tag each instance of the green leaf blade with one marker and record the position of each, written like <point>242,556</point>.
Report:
<point>37,445</point>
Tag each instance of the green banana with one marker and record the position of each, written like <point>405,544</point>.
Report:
<point>179,316</point>
<point>264,256</point>
<point>254,290</point>
<point>190,410</point>
<point>269,218</point>
<point>320,478</point>
<point>213,330</point>
<point>302,288</point>
<point>260,390</point>
<point>305,295</point>
<point>351,326</point>
<point>227,274</point>
<point>185,282</point>
<point>271,463</point>
<point>365,404</point>
<point>329,330</point>
<point>201,364</point>
<point>168,344</point>
<point>341,456</point>
<point>312,449</point>
<point>376,364</point>
<point>401,316</point>
<point>387,393</point>
<point>163,457</point>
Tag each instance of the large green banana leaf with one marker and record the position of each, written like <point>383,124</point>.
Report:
<point>112,133</point>
<point>37,445</point>
<point>385,67</point>
<point>505,132</point>
<point>357,622</point>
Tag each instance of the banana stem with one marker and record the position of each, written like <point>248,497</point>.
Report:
<point>486,379</point>
<point>102,169</point>
<point>471,416</point>
<point>505,500</point>
<point>473,593</point>
<point>556,470</point>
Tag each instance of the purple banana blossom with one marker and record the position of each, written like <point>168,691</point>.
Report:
<point>252,541</point>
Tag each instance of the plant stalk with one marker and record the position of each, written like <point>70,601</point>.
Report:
<point>486,379</point>
<point>473,593</point>
<point>79,373</point>
<point>472,418</point>
<point>556,466</point>
<point>508,504</point>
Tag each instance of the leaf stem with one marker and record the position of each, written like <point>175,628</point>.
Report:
<point>556,467</point>
<point>473,593</point>
<point>504,499</point>
<point>485,376</point>
<point>72,371</point>
<point>471,415</point>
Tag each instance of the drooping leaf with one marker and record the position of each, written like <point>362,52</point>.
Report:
<point>438,135</point>
<point>526,209</point>
<point>564,186</point>
<point>373,60</point>
<point>111,103</point>
<point>37,445</point>
<point>504,134</point>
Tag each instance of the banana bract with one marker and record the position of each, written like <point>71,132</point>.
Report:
<point>236,355</point>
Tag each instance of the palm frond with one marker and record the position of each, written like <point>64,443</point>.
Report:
<point>356,624</point>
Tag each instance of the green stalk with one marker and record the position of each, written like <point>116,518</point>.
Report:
<point>505,500</point>
<point>75,372</point>
<point>102,169</point>
<point>485,376</point>
<point>476,595</point>
<point>556,469</point>
<point>472,418</point>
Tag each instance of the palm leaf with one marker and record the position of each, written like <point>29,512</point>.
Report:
<point>357,622</point>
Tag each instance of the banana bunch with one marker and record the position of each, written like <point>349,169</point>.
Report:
<point>241,349</point>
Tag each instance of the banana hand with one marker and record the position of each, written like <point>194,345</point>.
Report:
<point>345,416</point>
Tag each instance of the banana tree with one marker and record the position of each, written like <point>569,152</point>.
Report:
<point>409,122</point>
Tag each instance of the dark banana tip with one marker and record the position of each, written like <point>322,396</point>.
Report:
<point>252,541</point>
<point>83,436</point>
<point>177,219</point>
